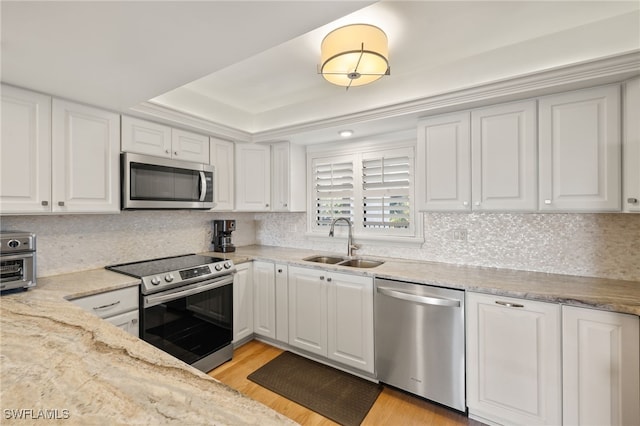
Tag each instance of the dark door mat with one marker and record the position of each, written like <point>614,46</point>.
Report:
<point>339,396</point>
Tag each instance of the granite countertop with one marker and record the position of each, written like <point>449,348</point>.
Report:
<point>598,293</point>
<point>58,360</point>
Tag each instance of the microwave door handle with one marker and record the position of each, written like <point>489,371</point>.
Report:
<point>203,186</point>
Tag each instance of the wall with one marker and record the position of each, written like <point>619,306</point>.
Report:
<point>601,245</point>
<point>68,243</point>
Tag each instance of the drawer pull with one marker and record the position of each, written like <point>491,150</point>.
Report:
<point>509,305</point>
<point>106,306</point>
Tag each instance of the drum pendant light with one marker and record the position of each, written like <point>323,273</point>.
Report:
<point>354,55</point>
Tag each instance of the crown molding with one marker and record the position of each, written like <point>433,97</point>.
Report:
<point>570,77</point>
<point>606,70</point>
<point>174,117</point>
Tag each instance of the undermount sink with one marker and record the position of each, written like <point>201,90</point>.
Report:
<point>341,261</point>
<point>324,259</point>
<point>361,263</point>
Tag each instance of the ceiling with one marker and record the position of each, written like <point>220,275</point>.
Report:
<point>251,66</point>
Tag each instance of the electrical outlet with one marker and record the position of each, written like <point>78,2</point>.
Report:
<point>459,235</point>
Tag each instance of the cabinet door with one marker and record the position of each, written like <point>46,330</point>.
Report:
<point>601,381</point>
<point>579,138</point>
<point>85,159</point>
<point>253,177</point>
<point>504,157</point>
<point>222,159</point>
<point>242,302</point>
<point>282,303</point>
<point>631,150</point>
<point>25,164</point>
<point>280,184</point>
<point>145,137</point>
<point>443,164</point>
<point>189,146</point>
<point>513,360</point>
<point>350,320</point>
<point>264,302</point>
<point>110,303</point>
<point>128,321</point>
<point>308,310</point>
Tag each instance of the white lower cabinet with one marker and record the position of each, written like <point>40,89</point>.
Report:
<point>513,360</point>
<point>331,315</point>
<point>601,381</point>
<point>537,363</point>
<point>119,307</point>
<point>243,302</point>
<point>264,299</point>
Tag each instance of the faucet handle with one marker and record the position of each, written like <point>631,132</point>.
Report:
<point>355,246</point>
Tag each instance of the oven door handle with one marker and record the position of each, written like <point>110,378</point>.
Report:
<point>156,299</point>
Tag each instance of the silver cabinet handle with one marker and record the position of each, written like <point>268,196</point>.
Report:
<point>106,306</point>
<point>509,304</point>
<point>425,300</point>
<point>61,203</point>
<point>45,203</point>
<point>632,200</point>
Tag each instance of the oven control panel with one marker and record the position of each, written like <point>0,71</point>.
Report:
<point>195,272</point>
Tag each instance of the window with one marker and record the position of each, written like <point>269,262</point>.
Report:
<point>334,192</point>
<point>373,187</point>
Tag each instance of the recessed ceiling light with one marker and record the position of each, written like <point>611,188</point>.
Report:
<point>345,133</point>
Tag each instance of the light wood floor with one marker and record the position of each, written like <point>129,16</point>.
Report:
<point>391,408</point>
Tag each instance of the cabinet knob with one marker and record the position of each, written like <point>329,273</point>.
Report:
<point>285,204</point>
<point>465,203</point>
<point>175,153</point>
<point>266,205</point>
<point>166,151</point>
<point>279,271</point>
<point>61,203</point>
<point>328,280</point>
<point>547,201</point>
<point>321,277</point>
<point>45,203</point>
<point>632,200</point>
<point>478,203</point>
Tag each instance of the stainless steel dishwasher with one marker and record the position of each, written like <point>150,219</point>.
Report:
<point>419,340</point>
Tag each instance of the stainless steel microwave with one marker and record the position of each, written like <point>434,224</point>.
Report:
<point>161,183</point>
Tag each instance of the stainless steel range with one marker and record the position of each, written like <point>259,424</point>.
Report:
<point>186,306</point>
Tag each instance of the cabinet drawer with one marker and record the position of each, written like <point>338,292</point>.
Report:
<point>110,303</point>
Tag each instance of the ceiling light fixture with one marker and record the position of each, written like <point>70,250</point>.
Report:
<point>354,55</point>
<point>345,133</point>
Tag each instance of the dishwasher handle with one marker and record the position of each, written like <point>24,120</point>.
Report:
<point>425,300</point>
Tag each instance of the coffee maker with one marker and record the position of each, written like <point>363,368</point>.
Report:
<point>222,230</point>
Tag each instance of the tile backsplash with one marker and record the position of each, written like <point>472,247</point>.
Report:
<point>601,245</point>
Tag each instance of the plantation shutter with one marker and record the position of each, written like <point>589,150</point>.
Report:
<point>386,189</point>
<point>333,183</point>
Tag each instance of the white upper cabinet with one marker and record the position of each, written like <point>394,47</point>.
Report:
<point>504,157</point>
<point>580,151</point>
<point>222,159</point>
<point>188,146</point>
<point>631,147</point>
<point>145,137</point>
<point>25,163</point>
<point>85,159</point>
<point>444,163</point>
<point>270,177</point>
<point>253,177</point>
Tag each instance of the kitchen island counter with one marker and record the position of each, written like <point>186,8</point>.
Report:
<point>60,362</point>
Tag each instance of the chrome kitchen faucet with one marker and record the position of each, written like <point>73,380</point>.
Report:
<point>350,245</point>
